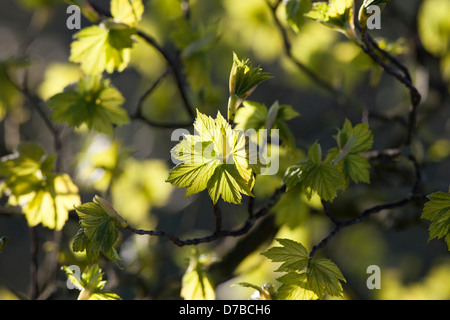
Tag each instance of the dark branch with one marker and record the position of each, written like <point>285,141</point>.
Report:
<point>218,233</point>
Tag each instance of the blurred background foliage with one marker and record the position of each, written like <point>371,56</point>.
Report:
<point>131,167</point>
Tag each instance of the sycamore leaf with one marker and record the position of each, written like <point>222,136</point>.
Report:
<point>313,175</point>
<point>244,78</point>
<point>215,158</point>
<point>45,197</point>
<point>103,47</point>
<point>295,11</point>
<point>195,45</point>
<point>352,141</point>
<point>127,11</point>
<point>295,292</point>
<point>335,14</point>
<point>92,101</point>
<point>50,204</point>
<point>196,284</point>
<point>293,255</point>
<point>98,232</point>
<point>255,116</point>
<point>323,276</point>
<point>90,284</point>
<point>437,210</point>
<point>304,278</point>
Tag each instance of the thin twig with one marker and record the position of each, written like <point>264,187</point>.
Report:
<point>174,64</point>
<point>404,79</point>
<point>246,226</point>
<point>340,96</point>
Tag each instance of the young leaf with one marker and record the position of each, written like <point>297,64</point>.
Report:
<point>352,141</point>
<point>336,14</point>
<point>216,158</point>
<point>98,232</point>
<point>307,278</point>
<point>196,284</point>
<point>295,11</point>
<point>195,45</point>
<point>313,175</point>
<point>92,101</point>
<point>295,292</point>
<point>256,116</point>
<point>127,11</point>
<point>323,276</point>
<point>90,284</point>
<point>103,47</point>
<point>44,196</point>
<point>244,79</point>
<point>437,210</point>
<point>293,255</point>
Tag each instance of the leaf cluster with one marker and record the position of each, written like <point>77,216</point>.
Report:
<point>305,278</point>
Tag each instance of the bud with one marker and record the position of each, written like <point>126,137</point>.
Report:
<point>243,81</point>
<point>110,211</point>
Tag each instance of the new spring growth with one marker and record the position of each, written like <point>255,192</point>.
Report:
<point>110,211</point>
<point>3,241</point>
<point>243,81</point>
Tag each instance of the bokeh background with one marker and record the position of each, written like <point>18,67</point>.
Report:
<point>131,167</point>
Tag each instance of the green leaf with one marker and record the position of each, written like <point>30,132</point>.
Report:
<point>103,47</point>
<point>437,210</point>
<point>335,14</point>
<point>195,45</point>
<point>305,278</point>
<point>196,284</point>
<point>92,101</point>
<point>99,232</point>
<point>244,78</point>
<point>50,205</point>
<point>323,276</point>
<point>352,141</point>
<point>295,11</point>
<point>293,255</point>
<point>215,158</point>
<point>90,284</point>
<point>313,175</point>
<point>127,11</point>
<point>295,292</point>
<point>256,116</point>
<point>45,197</point>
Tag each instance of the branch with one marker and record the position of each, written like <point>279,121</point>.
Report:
<point>174,65</point>
<point>302,67</point>
<point>366,213</point>
<point>404,79</point>
<point>140,116</point>
<point>218,233</point>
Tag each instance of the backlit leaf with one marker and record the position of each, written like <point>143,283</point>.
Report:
<point>92,101</point>
<point>215,158</point>
<point>437,210</point>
